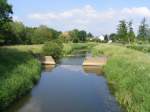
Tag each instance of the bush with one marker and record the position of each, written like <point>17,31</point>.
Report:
<point>18,73</point>
<point>53,48</point>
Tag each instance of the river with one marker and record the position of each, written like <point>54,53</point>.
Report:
<point>68,87</point>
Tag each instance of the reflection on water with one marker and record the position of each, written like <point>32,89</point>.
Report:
<point>93,69</point>
<point>72,60</point>
<point>19,103</point>
<point>69,88</point>
<point>48,67</point>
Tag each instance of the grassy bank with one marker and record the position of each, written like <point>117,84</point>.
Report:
<point>128,72</point>
<point>18,73</point>
<point>37,49</point>
<point>143,47</point>
<point>70,48</point>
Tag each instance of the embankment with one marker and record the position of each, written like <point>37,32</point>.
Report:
<point>128,73</point>
<point>19,71</point>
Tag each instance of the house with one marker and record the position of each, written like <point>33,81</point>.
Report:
<point>102,38</point>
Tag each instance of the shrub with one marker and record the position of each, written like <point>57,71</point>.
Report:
<point>53,48</point>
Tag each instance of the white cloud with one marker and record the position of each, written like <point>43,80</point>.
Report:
<point>138,11</point>
<point>79,14</point>
<point>88,18</point>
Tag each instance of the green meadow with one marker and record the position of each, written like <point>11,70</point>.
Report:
<point>128,75</point>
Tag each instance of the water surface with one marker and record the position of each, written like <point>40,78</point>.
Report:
<point>69,88</point>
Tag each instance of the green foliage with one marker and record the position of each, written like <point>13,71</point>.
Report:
<point>5,12</point>
<point>143,30</point>
<point>78,36</point>
<point>53,48</point>
<point>35,49</point>
<point>82,36</point>
<point>90,35</point>
<point>125,32</point>
<point>113,37</point>
<point>43,34</point>
<point>128,71</point>
<point>131,34</point>
<point>18,33</point>
<point>122,31</point>
<point>70,48</point>
<point>5,17</point>
<point>18,73</point>
<point>74,35</point>
<point>144,48</point>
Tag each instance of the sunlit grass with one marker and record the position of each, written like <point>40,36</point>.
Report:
<point>27,48</point>
<point>71,47</point>
<point>18,73</point>
<point>128,71</point>
<point>143,47</point>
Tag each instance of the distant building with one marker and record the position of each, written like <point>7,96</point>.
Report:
<point>110,41</point>
<point>102,38</point>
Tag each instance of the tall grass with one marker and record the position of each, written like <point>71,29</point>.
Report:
<point>36,49</point>
<point>18,73</point>
<point>128,72</point>
<point>143,47</point>
<point>69,48</point>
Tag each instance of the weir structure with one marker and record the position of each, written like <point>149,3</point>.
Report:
<point>95,61</point>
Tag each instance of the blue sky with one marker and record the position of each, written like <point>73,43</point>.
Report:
<point>96,16</point>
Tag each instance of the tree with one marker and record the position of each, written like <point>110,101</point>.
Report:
<point>65,36</point>
<point>89,35</point>
<point>78,36</point>
<point>113,37</point>
<point>19,33</point>
<point>122,31</point>
<point>5,17</point>
<point>29,34</point>
<point>131,34</point>
<point>74,34</point>
<point>143,30</point>
<point>106,38</point>
<point>5,12</point>
<point>41,34</point>
<point>53,48</point>
<point>82,35</point>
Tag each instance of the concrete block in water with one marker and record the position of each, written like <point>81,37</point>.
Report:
<point>47,60</point>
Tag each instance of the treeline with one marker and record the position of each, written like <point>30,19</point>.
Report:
<point>18,33</point>
<point>76,36</point>
<point>126,34</point>
<point>13,32</point>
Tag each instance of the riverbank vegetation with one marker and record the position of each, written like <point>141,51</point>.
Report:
<point>140,47</point>
<point>19,71</point>
<point>127,71</point>
<point>70,48</point>
<point>53,48</point>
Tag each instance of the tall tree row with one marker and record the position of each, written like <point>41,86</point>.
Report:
<point>143,33</point>
<point>5,17</point>
<point>125,32</point>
